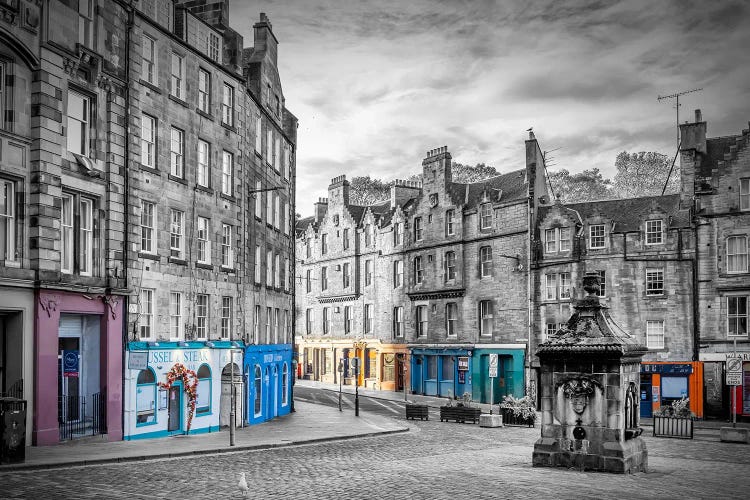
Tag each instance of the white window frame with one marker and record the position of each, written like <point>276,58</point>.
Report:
<point>176,329</point>
<point>485,216</point>
<point>398,233</point>
<point>485,256</point>
<point>213,46</point>
<point>323,244</point>
<point>256,324</point>
<point>277,271</point>
<point>450,265</point>
<point>564,238</point>
<point>655,334</point>
<point>258,256</point>
<point>276,211</point>
<point>269,268</point>
<point>176,233</point>
<point>653,277</point>
<point>420,320</point>
<point>146,314</point>
<point>654,232</point>
<point>269,312</point>
<point>81,122</point>
<point>177,153</point>
<point>418,230</point>
<point>451,319</point>
<point>258,135</point>
<point>67,244</point>
<point>368,272</point>
<point>203,177</point>
<point>486,318</point>
<point>737,316</point>
<point>398,273</point>
<point>398,321</point>
<point>602,283</point>
<point>227,105</point>
<point>177,81</point>
<point>348,319</point>
<point>550,286</point>
<point>86,236</point>
<point>149,71</point>
<point>449,222</point>
<point>227,173</point>
<point>745,193</point>
<point>269,146</point>
<point>324,278</point>
<point>227,252</point>
<point>368,318</point>
<point>201,316</point>
<point>308,281</point>
<point>326,321</point>
<point>148,141</point>
<point>345,275</point>
<point>596,236</point>
<point>550,240</point>
<point>418,270</point>
<point>8,215</point>
<point>737,261</point>
<point>204,91</point>
<point>563,283</point>
<point>226,317</point>
<point>258,195</point>
<point>309,321</point>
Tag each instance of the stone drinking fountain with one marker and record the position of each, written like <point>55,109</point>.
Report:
<point>590,376</point>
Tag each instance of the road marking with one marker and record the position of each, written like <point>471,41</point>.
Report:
<point>384,405</point>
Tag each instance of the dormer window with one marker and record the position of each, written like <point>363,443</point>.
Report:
<point>654,232</point>
<point>745,193</point>
<point>557,240</point>
<point>398,233</point>
<point>449,230</point>
<point>596,236</point>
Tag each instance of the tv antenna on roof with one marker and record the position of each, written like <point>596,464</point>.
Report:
<point>676,96</point>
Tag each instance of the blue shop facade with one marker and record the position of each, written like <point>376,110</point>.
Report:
<point>268,381</point>
<point>452,371</point>
<point>152,410</point>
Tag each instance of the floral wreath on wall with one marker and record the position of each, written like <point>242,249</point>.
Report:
<point>179,371</point>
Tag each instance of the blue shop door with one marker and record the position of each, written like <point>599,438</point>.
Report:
<point>646,403</point>
<point>275,392</point>
<point>416,374</point>
<point>267,392</point>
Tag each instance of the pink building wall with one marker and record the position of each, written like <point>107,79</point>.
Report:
<point>49,305</point>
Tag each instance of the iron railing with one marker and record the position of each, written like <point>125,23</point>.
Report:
<point>76,418</point>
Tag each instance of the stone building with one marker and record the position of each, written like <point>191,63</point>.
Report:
<point>428,283</point>
<point>211,175</point>
<point>63,115</point>
<point>716,187</point>
<point>642,250</point>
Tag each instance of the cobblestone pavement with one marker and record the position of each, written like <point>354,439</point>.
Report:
<point>433,460</point>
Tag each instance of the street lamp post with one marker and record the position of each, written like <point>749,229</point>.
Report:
<point>341,377</point>
<point>233,397</point>
<point>359,349</point>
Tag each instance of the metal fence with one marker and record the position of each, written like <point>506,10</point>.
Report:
<point>78,417</point>
<point>673,427</point>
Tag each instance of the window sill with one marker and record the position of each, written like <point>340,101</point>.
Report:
<point>259,154</point>
<point>656,297</point>
<point>149,85</point>
<point>203,265</point>
<point>12,263</point>
<point>150,169</point>
<point>181,180</point>
<point>179,262</point>
<point>228,197</point>
<point>204,189</point>
<point>204,114</point>
<point>149,256</point>
<point>229,270</point>
<point>178,100</point>
<point>229,127</point>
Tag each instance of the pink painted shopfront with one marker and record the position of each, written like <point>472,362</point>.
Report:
<point>77,366</point>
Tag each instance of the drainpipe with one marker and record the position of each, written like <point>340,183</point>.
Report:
<point>696,309</point>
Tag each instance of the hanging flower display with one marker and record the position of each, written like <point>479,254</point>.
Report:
<point>190,384</point>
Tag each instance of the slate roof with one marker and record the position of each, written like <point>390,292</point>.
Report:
<point>715,149</point>
<point>302,224</point>
<point>629,213</point>
<point>512,185</point>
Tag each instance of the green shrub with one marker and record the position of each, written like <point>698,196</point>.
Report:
<point>519,407</point>
<point>680,409</point>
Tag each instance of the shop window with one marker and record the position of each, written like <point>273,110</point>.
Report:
<point>145,398</point>
<point>285,385</point>
<point>432,368</point>
<point>447,368</point>
<point>258,392</point>
<point>203,403</point>
<point>389,368</point>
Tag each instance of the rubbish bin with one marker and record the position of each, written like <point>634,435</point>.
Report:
<point>12,430</point>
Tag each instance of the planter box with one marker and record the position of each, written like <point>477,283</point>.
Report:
<point>676,427</point>
<point>417,411</point>
<point>460,413</point>
<point>510,419</point>
<point>487,420</point>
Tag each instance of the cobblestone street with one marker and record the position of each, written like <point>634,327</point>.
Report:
<point>433,460</point>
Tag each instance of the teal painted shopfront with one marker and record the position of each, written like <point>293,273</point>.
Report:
<point>441,372</point>
<point>509,380</point>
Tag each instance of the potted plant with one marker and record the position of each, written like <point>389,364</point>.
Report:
<point>675,420</point>
<point>518,411</point>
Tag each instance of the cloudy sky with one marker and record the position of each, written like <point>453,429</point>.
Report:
<point>375,84</point>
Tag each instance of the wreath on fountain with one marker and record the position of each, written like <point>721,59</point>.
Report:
<point>190,384</point>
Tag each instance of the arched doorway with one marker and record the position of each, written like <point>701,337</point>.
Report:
<point>226,395</point>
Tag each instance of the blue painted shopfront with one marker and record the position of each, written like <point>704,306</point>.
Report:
<point>441,372</point>
<point>268,372</point>
<point>509,380</point>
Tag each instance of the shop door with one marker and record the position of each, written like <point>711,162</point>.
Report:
<point>70,369</point>
<point>275,392</point>
<point>174,408</point>
<point>399,372</point>
<point>646,404</point>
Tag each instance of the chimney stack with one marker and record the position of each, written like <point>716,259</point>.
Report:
<point>321,207</point>
<point>402,191</point>
<point>264,39</point>
<point>338,191</point>
<point>436,169</point>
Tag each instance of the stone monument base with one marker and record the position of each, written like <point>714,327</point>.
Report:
<point>621,458</point>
